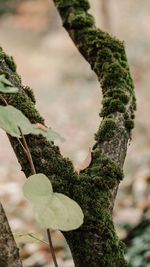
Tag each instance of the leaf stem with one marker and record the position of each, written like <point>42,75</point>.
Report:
<point>52,248</point>
<point>27,150</point>
<point>4,100</point>
<point>22,145</point>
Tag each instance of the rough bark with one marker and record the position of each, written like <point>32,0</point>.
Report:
<point>9,253</point>
<point>95,244</point>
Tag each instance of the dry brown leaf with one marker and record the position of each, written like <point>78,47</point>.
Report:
<point>82,166</point>
<point>41,127</point>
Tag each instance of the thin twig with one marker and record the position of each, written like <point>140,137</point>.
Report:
<point>24,149</point>
<point>52,248</point>
<point>4,100</point>
<point>28,152</point>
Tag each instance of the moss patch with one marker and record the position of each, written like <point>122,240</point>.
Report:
<point>65,4</point>
<point>106,130</point>
<point>79,19</point>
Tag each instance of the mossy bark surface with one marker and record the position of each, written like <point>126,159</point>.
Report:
<point>95,244</point>
<point>9,253</point>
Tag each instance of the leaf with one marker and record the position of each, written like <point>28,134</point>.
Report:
<point>12,118</point>
<point>6,86</point>
<point>53,210</point>
<point>61,213</point>
<point>85,163</point>
<point>27,238</point>
<point>10,90</point>
<point>37,185</point>
<point>48,133</point>
<point>4,80</point>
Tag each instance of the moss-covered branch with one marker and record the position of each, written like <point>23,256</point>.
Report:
<point>95,244</point>
<point>50,161</point>
<point>107,58</point>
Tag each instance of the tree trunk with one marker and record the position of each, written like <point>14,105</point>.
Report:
<point>9,253</point>
<point>95,244</point>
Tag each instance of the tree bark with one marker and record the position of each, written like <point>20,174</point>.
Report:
<point>95,244</point>
<point>9,253</point>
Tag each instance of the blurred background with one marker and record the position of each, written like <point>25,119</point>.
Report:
<point>69,98</point>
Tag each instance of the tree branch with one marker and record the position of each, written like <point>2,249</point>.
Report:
<point>107,58</point>
<point>50,161</point>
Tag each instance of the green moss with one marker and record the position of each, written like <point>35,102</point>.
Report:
<point>79,19</point>
<point>108,59</point>
<point>8,59</point>
<point>10,62</point>
<point>129,124</point>
<point>107,167</point>
<point>117,94</point>
<point>8,67</point>
<point>97,235</point>
<point>29,93</point>
<point>111,106</point>
<point>114,76</point>
<point>133,103</point>
<point>105,55</point>
<point>106,130</point>
<point>22,102</point>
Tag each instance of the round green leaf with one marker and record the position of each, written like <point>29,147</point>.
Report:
<point>60,213</point>
<point>37,188</point>
<point>12,118</point>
